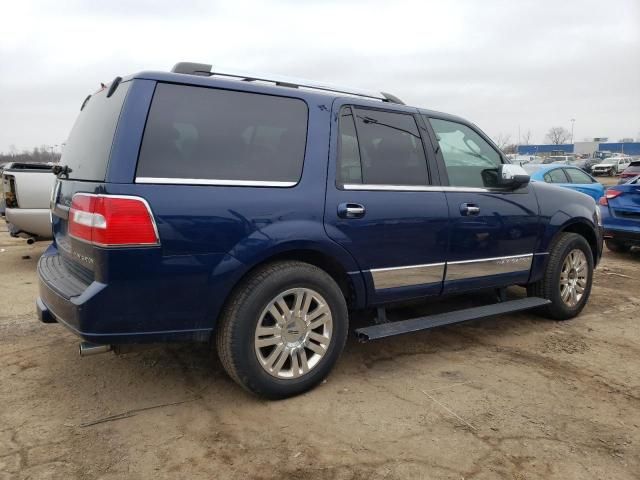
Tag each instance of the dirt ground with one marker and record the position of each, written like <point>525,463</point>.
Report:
<point>515,397</point>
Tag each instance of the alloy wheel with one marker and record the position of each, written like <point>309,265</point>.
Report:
<point>293,333</point>
<point>573,277</point>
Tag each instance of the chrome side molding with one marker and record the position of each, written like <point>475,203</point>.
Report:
<point>407,276</point>
<point>413,275</point>
<point>486,267</point>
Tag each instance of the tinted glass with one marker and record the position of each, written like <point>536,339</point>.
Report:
<point>391,148</point>
<point>349,169</point>
<point>204,133</point>
<point>578,176</point>
<point>88,147</point>
<point>470,160</point>
<point>555,176</point>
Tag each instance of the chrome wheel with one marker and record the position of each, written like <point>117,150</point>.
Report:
<point>293,333</point>
<point>574,277</point>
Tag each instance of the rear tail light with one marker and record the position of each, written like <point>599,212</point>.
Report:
<point>608,195</point>
<point>112,221</point>
<point>10,199</point>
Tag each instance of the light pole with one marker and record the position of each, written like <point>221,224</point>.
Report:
<point>573,120</point>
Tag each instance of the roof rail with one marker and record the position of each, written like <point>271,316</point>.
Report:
<point>203,69</point>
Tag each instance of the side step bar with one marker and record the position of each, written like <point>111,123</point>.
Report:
<point>390,329</point>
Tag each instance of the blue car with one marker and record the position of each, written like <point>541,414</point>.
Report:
<point>620,208</point>
<point>568,177</point>
<point>259,213</point>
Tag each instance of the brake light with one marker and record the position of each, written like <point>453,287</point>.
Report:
<point>608,195</point>
<point>112,221</point>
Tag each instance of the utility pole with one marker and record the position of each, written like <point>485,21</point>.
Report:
<point>573,120</point>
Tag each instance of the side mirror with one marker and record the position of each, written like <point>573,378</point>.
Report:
<point>512,176</point>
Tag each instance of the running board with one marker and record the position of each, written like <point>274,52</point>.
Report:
<point>390,329</point>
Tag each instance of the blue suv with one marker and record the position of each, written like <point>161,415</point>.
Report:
<point>258,213</point>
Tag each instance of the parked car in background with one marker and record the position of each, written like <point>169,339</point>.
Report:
<point>602,154</point>
<point>586,163</point>
<point>620,208</point>
<point>27,191</point>
<point>2,203</point>
<point>566,176</point>
<point>632,171</point>
<point>611,166</point>
<point>258,213</point>
<point>558,159</point>
<point>524,159</point>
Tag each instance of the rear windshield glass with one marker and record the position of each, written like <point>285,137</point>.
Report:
<point>210,134</point>
<point>88,147</point>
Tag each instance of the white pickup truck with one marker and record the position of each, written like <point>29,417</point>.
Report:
<point>26,191</point>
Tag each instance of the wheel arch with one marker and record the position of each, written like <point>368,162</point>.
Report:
<point>585,230</point>
<point>350,280</point>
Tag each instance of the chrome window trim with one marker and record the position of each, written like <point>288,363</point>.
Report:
<point>413,188</point>
<point>218,182</point>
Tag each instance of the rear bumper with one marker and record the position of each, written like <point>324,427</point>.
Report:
<point>630,237</point>
<point>115,314</point>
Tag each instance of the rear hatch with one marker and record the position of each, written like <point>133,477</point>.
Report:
<point>84,164</point>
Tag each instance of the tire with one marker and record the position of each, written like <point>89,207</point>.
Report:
<point>254,358</point>
<point>612,173</point>
<point>550,287</point>
<point>616,246</point>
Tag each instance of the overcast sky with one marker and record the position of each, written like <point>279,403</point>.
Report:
<point>503,64</point>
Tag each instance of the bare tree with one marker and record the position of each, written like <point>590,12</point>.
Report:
<point>510,148</point>
<point>558,135</point>
<point>502,140</point>
<point>526,138</point>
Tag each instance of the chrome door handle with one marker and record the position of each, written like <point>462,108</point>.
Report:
<point>469,209</point>
<point>351,210</point>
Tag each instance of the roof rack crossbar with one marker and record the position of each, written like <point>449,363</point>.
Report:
<point>203,69</point>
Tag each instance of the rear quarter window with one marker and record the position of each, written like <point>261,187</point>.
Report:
<point>206,134</point>
<point>88,147</point>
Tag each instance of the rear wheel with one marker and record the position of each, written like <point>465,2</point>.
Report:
<point>283,330</point>
<point>616,246</point>
<point>567,279</point>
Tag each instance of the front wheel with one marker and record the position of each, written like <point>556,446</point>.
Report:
<point>283,329</point>
<point>567,279</point>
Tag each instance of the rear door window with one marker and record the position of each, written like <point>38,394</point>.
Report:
<point>555,176</point>
<point>223,136</point>
<point>380,148</point>
<point>88,147</point>
<point>578,176</point>
<point>349,165</point>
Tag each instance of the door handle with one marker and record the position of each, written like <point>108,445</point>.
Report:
<point>469,209</point>
<point>351,210</point>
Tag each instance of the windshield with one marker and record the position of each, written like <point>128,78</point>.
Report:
<point>87,150</point>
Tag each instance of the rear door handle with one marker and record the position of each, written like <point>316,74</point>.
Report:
<point>469,209</point>
<point>351,210</point>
